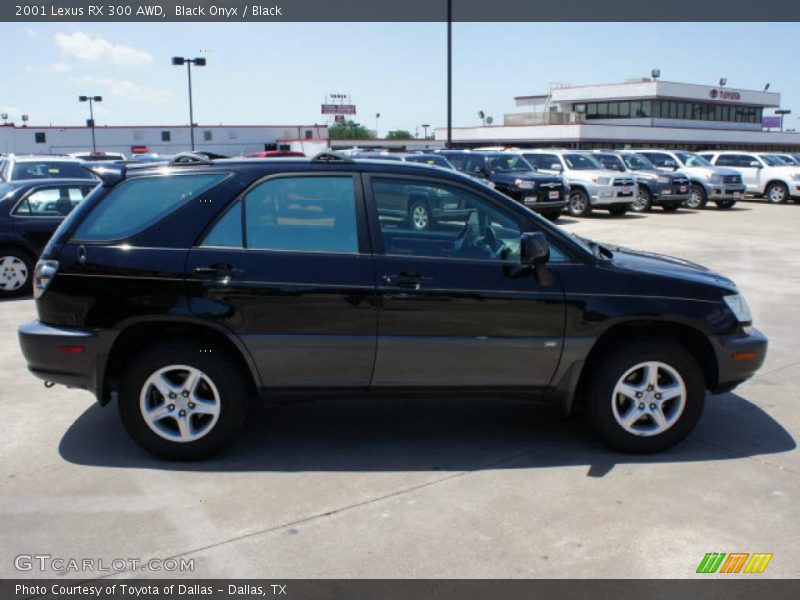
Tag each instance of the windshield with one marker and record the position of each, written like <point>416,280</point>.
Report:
<point>609,161</point>
<point>581,162</point>
<point>508,163</point>
<point>35,169</point>
<point>428,159</point>
<point>637,161</point>
<point>690,159</point>
<point>773,161</point>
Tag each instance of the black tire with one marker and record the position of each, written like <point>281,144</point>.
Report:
<point>618,210</point>
<point>600,396</point>
<point>671,206</point>
<point>419,215</point>
<point>643,201</point>
<point>224,373</point>
<point>777,193</point>
<point>579,203</point>
<point>551,215</point>
<point>697,198</point>
<point>725,203</point>
<point>15,264</point>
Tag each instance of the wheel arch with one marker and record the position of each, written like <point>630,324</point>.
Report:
<point>693,339</point>
<point>141,333</point>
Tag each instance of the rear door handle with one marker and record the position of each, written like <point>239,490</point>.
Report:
<point>407,280</point>
<point>219,271</point>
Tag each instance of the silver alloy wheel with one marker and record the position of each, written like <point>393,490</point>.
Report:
<point>642,200</point>
<point>180,403</point>
<point>13,273</point>
<point>649,398</point>
<point>577,202</point>
<point>777,194</point>
<point>419,216</point>
<point>695,198</point>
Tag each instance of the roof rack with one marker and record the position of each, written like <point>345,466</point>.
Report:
<point>327,156</point>
<point>187,158</point>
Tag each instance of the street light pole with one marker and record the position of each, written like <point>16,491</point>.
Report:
<point>198,62</point>
<point>91,100</point>
<point>449,73</point>
<point>377,132</point>
<point>425,127</point>
<point>782,112</point>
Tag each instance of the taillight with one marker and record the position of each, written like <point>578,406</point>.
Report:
<point>43,274</point>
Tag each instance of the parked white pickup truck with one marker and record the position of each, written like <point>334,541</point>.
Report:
<point>763,174</point>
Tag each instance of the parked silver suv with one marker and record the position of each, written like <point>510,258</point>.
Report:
<point>723,186</point>
<point>590,184</point>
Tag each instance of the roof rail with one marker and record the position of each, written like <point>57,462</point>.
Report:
<point>327,156</point>
<point>109,174</point>
<point>187,158</point>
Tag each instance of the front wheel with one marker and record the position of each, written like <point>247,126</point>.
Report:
<point>777,193</point>
<point>646,396</point>
<point>579,203</point>
<point>181,401</point>
<point>697,198</point>
<point>16,272</point>
<point>643,201</point>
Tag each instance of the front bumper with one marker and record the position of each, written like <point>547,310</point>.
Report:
<point>722,191</point>
<point>604,195</point>
<point>69,356</point>
<point>541,205</point>
<point>667,193</point>
<point>738,358</point>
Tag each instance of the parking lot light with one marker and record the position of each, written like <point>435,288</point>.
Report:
<point>655,73</point>
<point>723,81</point>
<point>90,123</point>
<point>179,61</point>
<point>783,112</point>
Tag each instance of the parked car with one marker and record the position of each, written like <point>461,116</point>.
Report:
<point>590,184</point>
<point>515,177</point>
<point>30,211</point>
<point>654,187</point>
<point>98,156</point>
<point>789,159</point>
<point>184,291</point>
<point>14,167</point>
<point>764,175</point>
<point>722,186</point>
<point>430,159</point>
<point>273,154</point>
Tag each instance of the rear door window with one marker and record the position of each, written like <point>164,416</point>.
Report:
<point>136,204</point>
<point>55,201</point>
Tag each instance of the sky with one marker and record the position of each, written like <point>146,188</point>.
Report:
<point>279,73</point>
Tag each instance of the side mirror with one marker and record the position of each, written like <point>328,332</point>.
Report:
<point>755,164</point>
<point>556,167</point>
<point>534,249</point>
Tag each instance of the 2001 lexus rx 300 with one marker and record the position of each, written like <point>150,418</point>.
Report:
<point>185,290</point>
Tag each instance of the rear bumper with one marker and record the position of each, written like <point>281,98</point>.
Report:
<point>738,358</point>
<point>69,356</point>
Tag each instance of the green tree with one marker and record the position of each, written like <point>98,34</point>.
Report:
<point>399,134</point>
<point>349,130</point>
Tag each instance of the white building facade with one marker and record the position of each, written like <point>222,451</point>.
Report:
<point>639,113</point>
<point>230,140</point>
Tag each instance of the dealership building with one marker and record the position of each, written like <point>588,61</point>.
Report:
<point>230,140</point>
<point>635,114</point>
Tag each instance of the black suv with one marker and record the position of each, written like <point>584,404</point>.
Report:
<point>515,177</point>
<point>184,291</point>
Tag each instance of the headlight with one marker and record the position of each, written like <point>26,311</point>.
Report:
<point>796,176</point>
<point>715,178</point>
<point>524,185</point>
<point>601,180</point>
<point>739,308</point>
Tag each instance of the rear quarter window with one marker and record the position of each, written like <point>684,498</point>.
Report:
<point>136,204</point>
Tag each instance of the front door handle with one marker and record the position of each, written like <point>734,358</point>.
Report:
<point>407,280</point>
<point>218,271</point>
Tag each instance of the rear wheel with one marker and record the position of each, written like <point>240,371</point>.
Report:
<point>697,197</point>
<point>181,403</point>
<point>645,396</point>
<point>579,203</point>
<point>618,209</point>
<point>725,203</point>
<point>643,201</point>
<point>16,272</point>
<point>777,193</point>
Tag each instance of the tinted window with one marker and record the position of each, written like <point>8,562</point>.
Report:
<point>52,202</point>
<point>228,230</point>
<point>507,163</point>
<point>609,161</point>
<point>137,203</point>
<point>581,162</point>
<point>49,169</point>
<point>657,158</point>
<point>464,225</point>
<point>302,214</point>
<point>459,160</point>
<point>543,161</point>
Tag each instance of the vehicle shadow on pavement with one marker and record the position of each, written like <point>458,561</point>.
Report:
<point>426,435</point>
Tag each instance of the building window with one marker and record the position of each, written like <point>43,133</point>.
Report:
<point>40,137</point>
<point>207,135</point>
<point>166,136</point>
<point>309,134</point>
